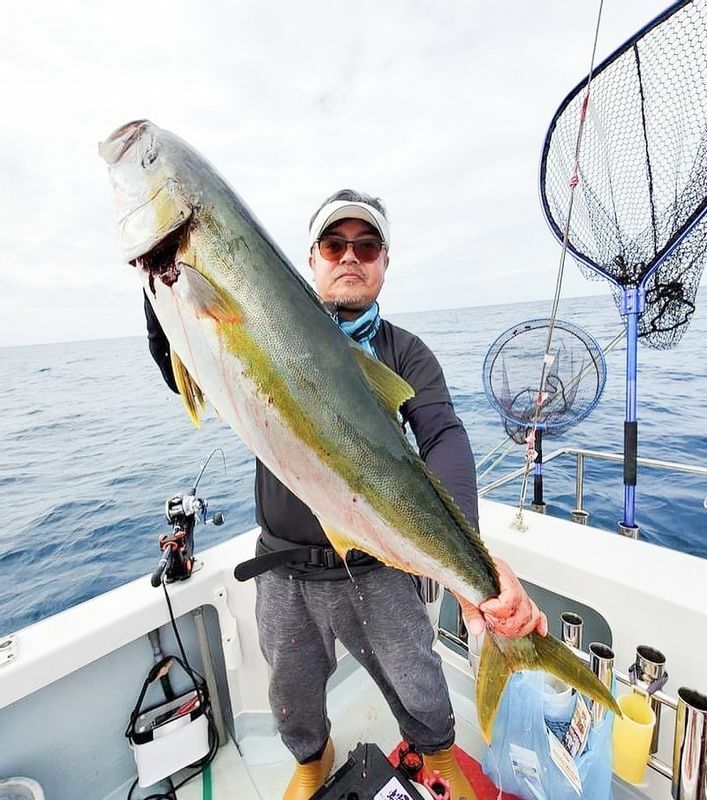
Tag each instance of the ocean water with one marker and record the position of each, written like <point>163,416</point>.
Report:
<point>94,443</point>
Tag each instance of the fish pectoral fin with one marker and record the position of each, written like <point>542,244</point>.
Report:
<point>390,388</point>
<point>501,657</point>
<point>191,393</point>
<point>208,300</point>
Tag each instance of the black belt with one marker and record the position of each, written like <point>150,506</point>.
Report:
<point>282,553</point>
<point>311,555</point>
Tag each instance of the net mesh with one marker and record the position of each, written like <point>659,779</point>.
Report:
<point>574,380</point>
<point>642,173</point>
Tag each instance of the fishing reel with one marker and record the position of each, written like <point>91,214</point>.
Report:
<point>183,512</point>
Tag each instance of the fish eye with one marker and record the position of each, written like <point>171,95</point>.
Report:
<point>148,153</point>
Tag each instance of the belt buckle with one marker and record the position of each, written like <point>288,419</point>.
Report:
<point>315,557</point>
<point>323,557</point>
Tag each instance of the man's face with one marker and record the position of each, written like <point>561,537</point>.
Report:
<point>348,281</point>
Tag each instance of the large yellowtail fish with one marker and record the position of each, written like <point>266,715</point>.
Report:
<point>248,334</point>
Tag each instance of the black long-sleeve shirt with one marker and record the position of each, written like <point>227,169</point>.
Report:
<point>440,434</point>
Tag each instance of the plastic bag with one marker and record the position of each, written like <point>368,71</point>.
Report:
<point>520,759</point>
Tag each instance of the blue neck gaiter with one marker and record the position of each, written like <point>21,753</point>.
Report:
<point>363,328</point>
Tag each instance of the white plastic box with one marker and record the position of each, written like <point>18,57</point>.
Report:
<point>165,740</point>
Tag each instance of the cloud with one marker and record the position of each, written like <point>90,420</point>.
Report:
<point>440,108</point>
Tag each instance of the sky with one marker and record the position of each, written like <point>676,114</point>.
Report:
<point>440,108</point>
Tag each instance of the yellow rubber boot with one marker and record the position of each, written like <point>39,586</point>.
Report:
<point>446,764</point>
<point>311,776</point>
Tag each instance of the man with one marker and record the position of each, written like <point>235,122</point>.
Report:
<point>306,596</point>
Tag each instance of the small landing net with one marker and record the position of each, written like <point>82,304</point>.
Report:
<point>574,380</point>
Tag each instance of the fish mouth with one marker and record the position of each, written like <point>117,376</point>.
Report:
<point>121,140</point>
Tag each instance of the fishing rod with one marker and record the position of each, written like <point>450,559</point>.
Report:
<point>183,512</point>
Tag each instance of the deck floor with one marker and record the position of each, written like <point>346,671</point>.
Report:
<point>261,766</point>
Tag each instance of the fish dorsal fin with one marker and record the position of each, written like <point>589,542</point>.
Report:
<point>466,527</point>
<point>390,388</point>
<point>208,300</point>
<point>190,391</point>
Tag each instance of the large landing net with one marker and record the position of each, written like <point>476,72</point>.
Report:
<point>638,216</point>
<point>623,182</point>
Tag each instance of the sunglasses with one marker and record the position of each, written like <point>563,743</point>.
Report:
<point>333,247</point>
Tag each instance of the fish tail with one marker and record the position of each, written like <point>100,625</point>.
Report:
<point>501,657</point>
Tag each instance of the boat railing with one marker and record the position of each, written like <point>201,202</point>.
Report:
<point>579,513</point>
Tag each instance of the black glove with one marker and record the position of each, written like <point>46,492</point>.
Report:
<point>159,346</point>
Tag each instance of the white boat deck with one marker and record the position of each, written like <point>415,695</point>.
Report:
<point>260,766</point>
<point>358,713</point>
<point>645,595</point>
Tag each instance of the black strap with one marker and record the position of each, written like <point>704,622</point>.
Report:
<point>159,669</point>
<point>312,555</point>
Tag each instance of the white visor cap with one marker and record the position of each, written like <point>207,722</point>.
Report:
<point>346,209</point>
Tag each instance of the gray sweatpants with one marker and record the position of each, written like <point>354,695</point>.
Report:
<point>381,620</point>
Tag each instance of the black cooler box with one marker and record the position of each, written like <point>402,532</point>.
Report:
<point>368,775</point>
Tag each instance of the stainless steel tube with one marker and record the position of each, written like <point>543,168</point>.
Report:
<point>430,590</point>
<point>650,666</point>
<point>630,531</point>
<point>580,516</point>
<point>690,746</point>
<point>572,629</point>
<point>579,484</point>
<point>461,632</point>
<point>601,663</point>
<point>432,594</point>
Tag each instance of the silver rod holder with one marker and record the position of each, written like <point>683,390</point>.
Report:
<point>461,632</point>
<point>572,629</point>
<point>430,590</point>
<point>579,483</point>
<point>580,516</point>
<point>631,531</point>
<point>650,666</point>
<point>690,746</point>
<point>432,594</point>
<point>601,663</point>
<point>538,508</point>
